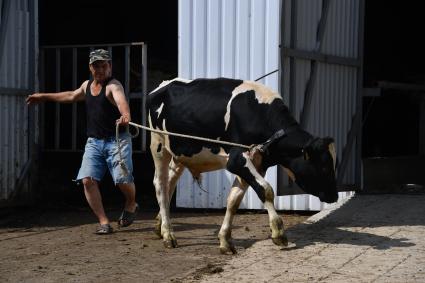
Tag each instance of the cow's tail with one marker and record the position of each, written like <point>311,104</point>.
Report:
<point>198,179</point>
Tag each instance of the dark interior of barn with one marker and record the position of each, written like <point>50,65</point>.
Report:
<point>393,52</point>
<point>393,116</point>
<point>103,22</point>
<point>393,67</point>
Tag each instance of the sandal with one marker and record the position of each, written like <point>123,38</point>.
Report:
<point>127,218</point>
<point>104,229</point>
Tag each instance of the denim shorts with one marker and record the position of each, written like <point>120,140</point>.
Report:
<point>102,154</point>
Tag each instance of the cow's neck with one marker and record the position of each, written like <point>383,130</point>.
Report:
<point>280,118</point>
<point>288,147</point>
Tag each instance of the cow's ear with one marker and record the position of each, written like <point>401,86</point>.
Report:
<point>290,174</point>
<point>330,146</point>
<point>308,150</point>
<point>332,151</point>
<point>306,154</point>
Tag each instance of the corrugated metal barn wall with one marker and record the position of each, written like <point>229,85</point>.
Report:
<point>16,79</point>
<point>226,38</point>
<point>334,96</point>
<point>239,39</point>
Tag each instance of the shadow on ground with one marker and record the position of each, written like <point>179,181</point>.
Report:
<point>364,221</point>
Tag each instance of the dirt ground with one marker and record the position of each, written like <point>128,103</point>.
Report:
<point>52,245</point>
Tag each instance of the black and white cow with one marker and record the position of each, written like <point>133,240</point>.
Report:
<point>242,112</point>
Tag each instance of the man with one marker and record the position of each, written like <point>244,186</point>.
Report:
<point>106,106</point>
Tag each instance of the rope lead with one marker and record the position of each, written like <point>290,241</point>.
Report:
<point>121,161</point>
<point>187,136</point>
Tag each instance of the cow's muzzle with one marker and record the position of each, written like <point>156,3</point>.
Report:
<point>328,198</point>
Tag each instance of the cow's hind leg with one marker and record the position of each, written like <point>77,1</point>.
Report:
<point>175,170</point>
<point>162,159</point>
<point>242,165</point>
<point>233,201</point>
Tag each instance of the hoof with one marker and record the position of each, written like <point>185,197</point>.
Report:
<point>157,231</point>
<point>170,244</point>
<point>158,223</point>
<point>281,241</point>
<point>228,250</point>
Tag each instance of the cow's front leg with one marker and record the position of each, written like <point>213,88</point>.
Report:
<point>243,165</point>
<point>162,160</point>
<point>175,170</point>
<point>233,201</point>
<point>267,196</point>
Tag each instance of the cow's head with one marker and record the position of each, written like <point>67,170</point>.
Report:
<point>314,171</point>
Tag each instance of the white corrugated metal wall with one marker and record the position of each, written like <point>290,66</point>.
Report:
<point>16,78</point>
<point>240,39</point>
<point>237,39</point>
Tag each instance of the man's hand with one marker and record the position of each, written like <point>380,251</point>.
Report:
<point>34,98</point>
<point>123,120</point>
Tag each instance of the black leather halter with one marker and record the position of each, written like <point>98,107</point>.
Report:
<point>280,134</point>
<point>275,137</point>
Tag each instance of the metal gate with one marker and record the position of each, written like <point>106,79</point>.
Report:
<point>65,67</point>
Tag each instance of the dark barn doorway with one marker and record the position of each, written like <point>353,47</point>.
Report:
<point>394,78</point>
<point>89,22</point>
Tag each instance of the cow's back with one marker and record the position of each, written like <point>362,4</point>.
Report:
<point>193,107</point>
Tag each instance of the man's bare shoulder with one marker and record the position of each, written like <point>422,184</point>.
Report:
<point>114,83</point>
<point>114,88</point>
<point>83,86</point>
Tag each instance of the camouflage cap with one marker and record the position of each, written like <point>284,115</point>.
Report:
<point>99,54</point>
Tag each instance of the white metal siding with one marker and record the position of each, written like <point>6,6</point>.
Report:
<point>240,39</point>
<point>14,76</point>
<point>237,39</point>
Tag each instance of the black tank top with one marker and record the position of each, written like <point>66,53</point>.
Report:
<point>101,114</point>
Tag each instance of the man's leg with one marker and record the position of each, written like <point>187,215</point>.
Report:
<point>129,192</point>
<point>120,166</point>
<point>94,198</point>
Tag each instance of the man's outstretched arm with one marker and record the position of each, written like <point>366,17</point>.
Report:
<point>62,97</point>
